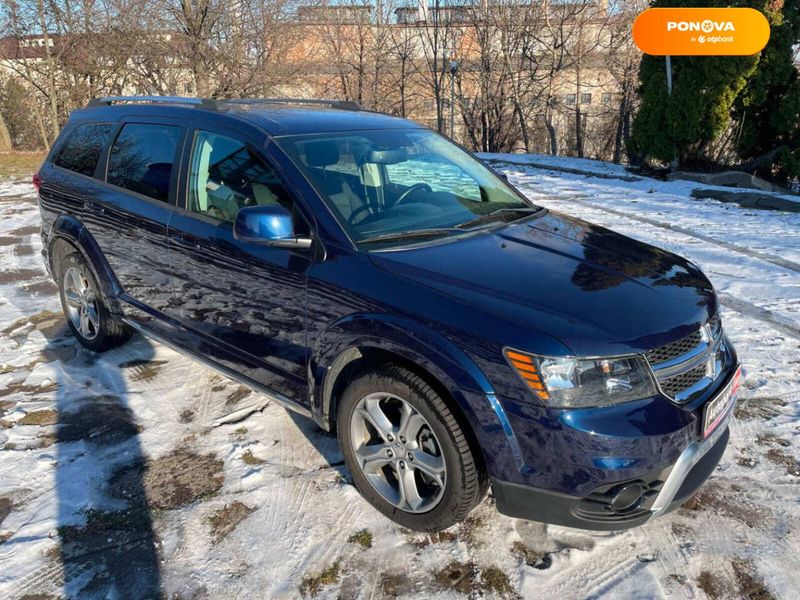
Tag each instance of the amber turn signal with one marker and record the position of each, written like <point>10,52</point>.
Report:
<point>526,369</point>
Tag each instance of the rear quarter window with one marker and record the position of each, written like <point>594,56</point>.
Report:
<point>142,158</point>
<point>81,151</point>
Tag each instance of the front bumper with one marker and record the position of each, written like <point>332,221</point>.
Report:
<point>602,510</point>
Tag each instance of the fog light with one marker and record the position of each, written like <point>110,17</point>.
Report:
<point>627,498</point>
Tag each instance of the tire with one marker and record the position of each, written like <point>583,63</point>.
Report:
<point>440,442</point>
<point>96,329</point>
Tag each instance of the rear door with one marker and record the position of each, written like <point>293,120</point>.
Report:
<point>69,177</point>
<point>129,216</point>
<point>244,303</point>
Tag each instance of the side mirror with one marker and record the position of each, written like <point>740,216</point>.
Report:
<point>269,225</point>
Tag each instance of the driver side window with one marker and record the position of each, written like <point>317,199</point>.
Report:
<point>225,175</point>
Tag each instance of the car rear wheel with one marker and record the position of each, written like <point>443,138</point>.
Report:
<point>86,313</point>
<point>406,451</point>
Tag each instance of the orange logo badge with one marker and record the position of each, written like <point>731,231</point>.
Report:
<point>701,31</point>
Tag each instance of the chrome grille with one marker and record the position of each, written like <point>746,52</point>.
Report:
<point>673,386</point>
<point>686,367</point>
<point>675,349</point>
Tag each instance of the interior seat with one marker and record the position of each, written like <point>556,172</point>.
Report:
<point>321,154</point>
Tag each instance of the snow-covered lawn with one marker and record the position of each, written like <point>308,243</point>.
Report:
<point>117,477</point>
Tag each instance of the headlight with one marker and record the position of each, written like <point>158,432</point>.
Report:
<point>583,382</point>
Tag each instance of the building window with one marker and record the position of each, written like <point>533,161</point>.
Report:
<point>571,99</point>
<point>586,98</point>
<point>606,98</point>
<point>429,105</point>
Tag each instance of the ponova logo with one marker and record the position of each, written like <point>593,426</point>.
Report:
<point>706,26</point>
<point>701,31</point>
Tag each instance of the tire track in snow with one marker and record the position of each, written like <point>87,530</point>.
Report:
<point>770,258</point>
<point>583,200</point>
<point>46,577</point>
<point>759,313</point>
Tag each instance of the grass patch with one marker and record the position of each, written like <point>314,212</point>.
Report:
<point>457,576</point>
<point>227,518</point>
<point>239,434</point>
<point>5,508</point>
<point>40,417</point>
<point>713,585</point>
<point>171,481</point>
<point>251,459</point>
<point>312,585</point>
<point>363,538</point>
<point>782,459</point>
<point>494,580</point>
<point>20,164</point>
<point>236,395</point>
<point>751,586</point>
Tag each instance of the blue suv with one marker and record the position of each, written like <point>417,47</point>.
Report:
<point>368,273</point>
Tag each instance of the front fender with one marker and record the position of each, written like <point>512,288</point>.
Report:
<point>345,340</point>
<point>69,229</point>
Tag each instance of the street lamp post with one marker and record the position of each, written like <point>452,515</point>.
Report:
<point>453,71</point>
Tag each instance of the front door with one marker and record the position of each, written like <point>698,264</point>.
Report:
<point>244,302</point>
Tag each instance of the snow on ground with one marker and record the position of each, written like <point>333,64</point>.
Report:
<point>561,163</point>
<point>597,168</point>
<point>115,480</point>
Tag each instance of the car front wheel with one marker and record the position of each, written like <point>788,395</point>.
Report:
<point>406,451</point>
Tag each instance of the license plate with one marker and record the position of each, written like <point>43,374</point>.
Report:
<point>716,410</point>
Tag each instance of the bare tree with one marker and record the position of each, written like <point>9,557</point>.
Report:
<point>623,66</point>
<point>486,88</point>
<point>439,39</point>
<point>402,49</point>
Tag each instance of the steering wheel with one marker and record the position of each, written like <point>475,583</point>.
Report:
<point>417,187</point>
<point>352,219</point>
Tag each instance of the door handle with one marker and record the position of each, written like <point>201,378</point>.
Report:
<point>179,240</point>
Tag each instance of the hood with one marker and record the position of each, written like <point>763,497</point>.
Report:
<point>598,292</point>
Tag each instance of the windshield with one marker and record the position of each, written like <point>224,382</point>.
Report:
<point>389,185</point>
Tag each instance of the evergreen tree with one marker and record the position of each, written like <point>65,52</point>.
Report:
<point>699,109</point>
<point>768,110</point>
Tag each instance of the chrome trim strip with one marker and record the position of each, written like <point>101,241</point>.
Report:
<point>507,430</point>
<point>686,461</point>
<point>229,373</point>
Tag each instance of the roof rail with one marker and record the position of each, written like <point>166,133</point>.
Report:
<point>343,104</point>
<point>109,100</point>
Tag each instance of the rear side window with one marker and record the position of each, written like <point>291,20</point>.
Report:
<point>141,159</point>
<point>81,151</point>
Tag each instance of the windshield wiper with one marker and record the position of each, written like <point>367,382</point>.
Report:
<point>410,235</point>
<point>497,215</point>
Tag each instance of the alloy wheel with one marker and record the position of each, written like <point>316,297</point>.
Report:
<point>397,452</point>
<point>82,303</point>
